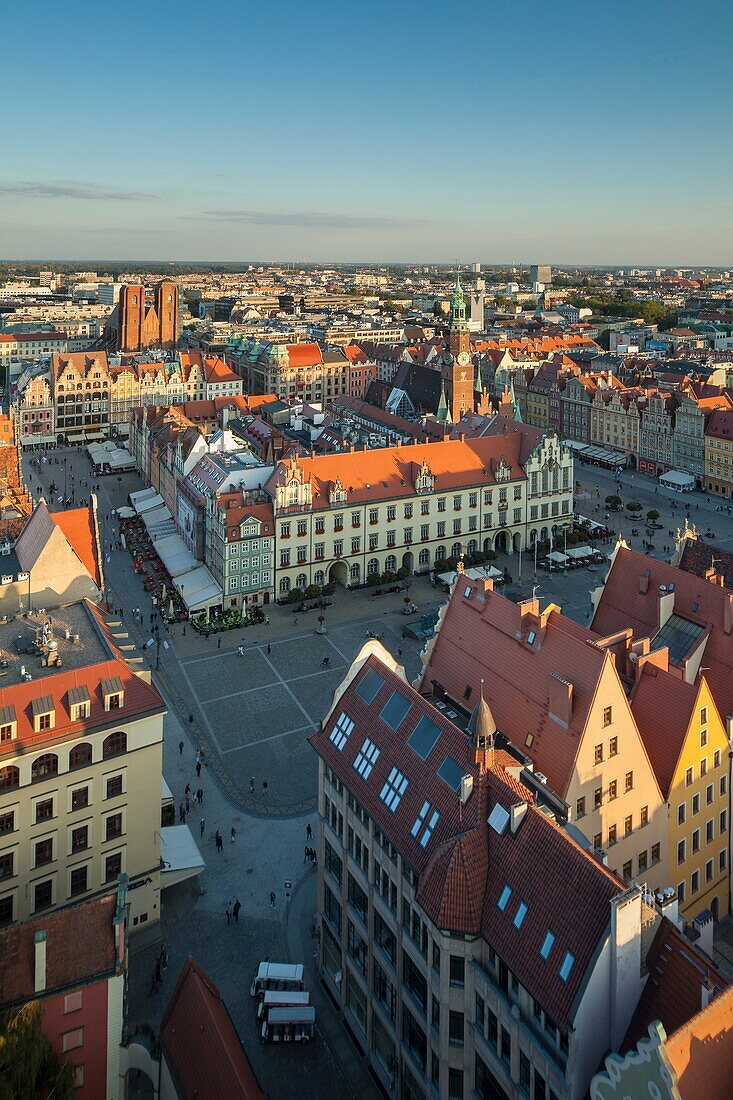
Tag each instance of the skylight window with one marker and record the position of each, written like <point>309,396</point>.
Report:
<point>504,899</point>
<point>547,945</point>
<point>394,710</point>
<point>366,758</point>
<point>393,789</point>
<point>451,773</point>
<point>498,819</point>
<point>340,732</point>
<point>567,966</point>
<point>531,637</point>
<point>420,821</point>
<point>424,737</point>
<point>520,914</point>
<point>368,688</point>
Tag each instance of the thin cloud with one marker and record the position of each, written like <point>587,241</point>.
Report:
<point>304,219</point>
<point>34,189</point>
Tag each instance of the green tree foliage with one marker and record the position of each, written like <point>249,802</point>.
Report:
<point>652,515</point>
<point>633,506</point>
<point>613,501</point>
<point>28,1066</point>
<point>623,304</point>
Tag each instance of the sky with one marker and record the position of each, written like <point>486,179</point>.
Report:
<point>381,132</point>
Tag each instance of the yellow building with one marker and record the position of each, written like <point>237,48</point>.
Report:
<point>688,748</point>
<point>615,418</point>
<point>719,453</point>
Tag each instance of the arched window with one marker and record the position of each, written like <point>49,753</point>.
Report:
<point>285,584</point>
<point>472,546</point>
<point>390,563</point>
<point>455,550</point>
<point>423,557</point>
<point>80,755</point>
<point>319,577</point>
<point>440,554</point>
<point>301,581</point>
<point>532,537</point>
<point>373,567</point>
<point>355,571</point>
<point>9,777</point>
<point>44,766</point>
<point>115,744</point>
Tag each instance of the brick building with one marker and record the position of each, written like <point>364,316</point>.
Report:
<point>142,323</point>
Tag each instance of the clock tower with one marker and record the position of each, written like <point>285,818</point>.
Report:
<point>458,370</point>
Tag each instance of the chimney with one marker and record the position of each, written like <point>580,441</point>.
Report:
<point>516,815</point>
<point>727,612</point>
<point>39,984</point>
<point>708,992</point>
<point>466,788</point>
<point>703,925</point>
<point>561,699</point>
<point>667,905</point>
<point>644,583</point>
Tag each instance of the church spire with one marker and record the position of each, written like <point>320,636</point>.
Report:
<point>482,729</point>
<point>458,304</point>
<point>442,410</point>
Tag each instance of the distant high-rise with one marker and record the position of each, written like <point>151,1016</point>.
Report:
<point>141,324</point>
<point>540,273</point>
<point>476,267</point>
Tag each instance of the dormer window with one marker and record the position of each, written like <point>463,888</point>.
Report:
<point>8,724</point>
<point>79,703</point>
<point>44,714</point>
<point>113,693</point>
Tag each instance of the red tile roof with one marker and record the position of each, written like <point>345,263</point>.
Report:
<point>201,1045</point>
<point>80,529</point>
<point>662,705</point>
<point>701,1051</point>
<point>88,923</point>
<point>622,605</point>
<point>483,635</point>
<point>697,557</point>
<point>466,863</point>
<point>304,355</point>
<point>673,991</point>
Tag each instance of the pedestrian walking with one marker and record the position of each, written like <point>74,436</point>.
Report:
<point>184,630</point>
<point>188,804</point>
<point>200,796</point>
<point>218,838</point>
<point>163,959</point>
<point>308,832</point>
<point>264,787</point>
<point>306,854</point>
<point>187,789</point>
<point>240,650</point>
<point>229,914</point>
<point>234,833</point>
<point>180,747</point>
<point>202,826</point>
<point>235,910</point>
<point>218,643</point>
<point>272,899</point>
<point>182,814</point>
<point>269,649</point>
<point>190,719</point>
<point>198,768</point>
<point>252,785</point>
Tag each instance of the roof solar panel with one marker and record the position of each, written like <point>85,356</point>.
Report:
<point>395,709</point>
<point>368,688</point>
<point>424,737</point>
<point>451,773</point>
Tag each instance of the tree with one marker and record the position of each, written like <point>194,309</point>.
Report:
<point>28,1066</point>
<point>652,515</point>
<point>633,506</point>
<point>613,501</point>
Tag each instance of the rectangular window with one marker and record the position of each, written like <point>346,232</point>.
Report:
<point>113,826</point>
<point>44,851</point>
<point>656,852</point>
<point>44,810</point>
<point>456,1028</point>
<point>612,790</point>
<point>457,970</point>
<point>695,882</point>
<point>613,746</point>
<point>642,862</point>
<point>7,822</point>
<point>643,816</point>
<point>79,839</point>
<point>628,825</point>
<point>113,867</point>
<point>629,782</point>
<point>696,840</point>
<point>114,786</point>
<point>681,811</point>
<point>695,804</point>
<point>72,1040</point>
<point>580,808</point>
<point>709,794</point>
<point>78,881</point>
<point>703,766</point>
<point>716,758</point>
<point>366,758</point>
<point>611,835</point>
<point>597,797</point>
<point>393,789</point>
<point>607,716</point>
<point>680,852</point>
<point>689,777</point>
<point>598,754</point>
<point>723,821</point>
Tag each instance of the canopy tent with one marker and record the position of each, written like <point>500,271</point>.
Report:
<point>125,512</point>
<point>147,505</point>
<point>675,479</point>
<point>119,459</point>
<point>198,589</point>
<point>180,855</point>
<point>141,496</point>
<point>175,555</point>
<point>159,523</point>
<point>557,558</point>
<point>475,573</point>
<point>579,552</point>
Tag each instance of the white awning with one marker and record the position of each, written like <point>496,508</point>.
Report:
<point>175,555</point>
<point>180,855</point>
<point>557,557</point>
<point>166,792</point>
<point>159,522</point>
<point>146,505</point>
<point>675,479</point>
<point>580,552</point>
<point>198,589</point>
<point>474,573</point>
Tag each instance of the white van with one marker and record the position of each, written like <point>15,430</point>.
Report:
<point>277,976</point>
<point>281,999</point>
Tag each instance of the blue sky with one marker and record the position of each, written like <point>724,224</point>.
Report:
<point>568,132</point>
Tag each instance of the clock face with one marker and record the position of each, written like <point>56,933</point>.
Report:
<point>462,358</point>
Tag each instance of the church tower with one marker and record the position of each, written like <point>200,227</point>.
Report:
<point>458,366</point>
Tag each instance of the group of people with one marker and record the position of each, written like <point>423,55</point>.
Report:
<point>233,911</point>
<point>159,969</point>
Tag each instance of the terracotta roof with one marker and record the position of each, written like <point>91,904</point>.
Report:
<point>216,370</point>
<point>720,424</point>
<point>483,635</point>
<point>200,1043</point>
<point>662,705</point>
<point>697,558</point>
<point>379,474</point>
<point>304,355</point>
<point>88,922</point>
<point>696,600</point>
<point>80,529</point>
<point>701,1051</point>
<point>673,991</point>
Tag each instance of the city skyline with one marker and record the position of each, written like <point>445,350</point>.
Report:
<point>408,138</point>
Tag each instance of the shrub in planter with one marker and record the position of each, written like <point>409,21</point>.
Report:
<point>296,595</point>
<point>328,589</point>
<point>312,592</point>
